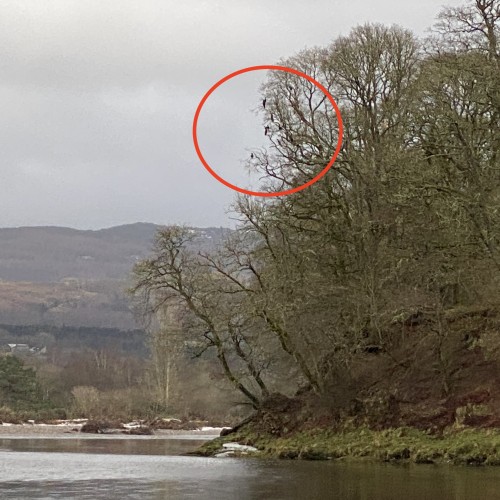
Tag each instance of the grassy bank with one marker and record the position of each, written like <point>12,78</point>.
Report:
<point>456,446</point>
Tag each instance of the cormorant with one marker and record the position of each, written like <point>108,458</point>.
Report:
<point>272,117</point>
<point>266,130</point>
<point>251,156</point>
<point>264,102</point>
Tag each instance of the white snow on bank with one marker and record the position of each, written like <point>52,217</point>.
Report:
<point>238,447</point>
<point>230,449</point>
<point>67,423</point>
<point>133,425</point>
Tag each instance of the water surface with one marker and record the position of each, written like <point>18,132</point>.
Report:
<point>107,467</point>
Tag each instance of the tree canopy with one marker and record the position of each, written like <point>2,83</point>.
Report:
<point>406,223</point>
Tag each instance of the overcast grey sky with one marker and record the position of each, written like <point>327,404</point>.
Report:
<point>98,98</point>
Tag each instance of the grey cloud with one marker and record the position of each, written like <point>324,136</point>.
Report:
<point>98,97</point>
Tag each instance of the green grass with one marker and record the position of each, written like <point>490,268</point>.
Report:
<point>456,446</point>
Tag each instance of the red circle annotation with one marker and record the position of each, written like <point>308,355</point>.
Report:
<point>265,193</point>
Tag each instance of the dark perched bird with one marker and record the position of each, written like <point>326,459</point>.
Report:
<point>372,349</point>
<point>264,103</point>
<point>272,117</point>
<point>266,130</point>
<point>252,156</point>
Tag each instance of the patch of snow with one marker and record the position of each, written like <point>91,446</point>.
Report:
<point>132,425</point>
<point>238,447</point>
<point>71,422</point>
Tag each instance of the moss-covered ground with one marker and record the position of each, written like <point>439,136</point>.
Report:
<point>456,446</point>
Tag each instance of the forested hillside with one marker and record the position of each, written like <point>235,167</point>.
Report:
<point>51,254</point>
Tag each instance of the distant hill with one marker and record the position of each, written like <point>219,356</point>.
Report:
<point>51,254</point>
<point>61,276</point>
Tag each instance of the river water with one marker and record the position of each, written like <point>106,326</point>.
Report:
<point>118,467</point>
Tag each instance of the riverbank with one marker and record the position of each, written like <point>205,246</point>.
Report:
<point>453,446</point>
<point>71,428</point>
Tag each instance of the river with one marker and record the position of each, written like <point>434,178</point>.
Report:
<point>119,467</point>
